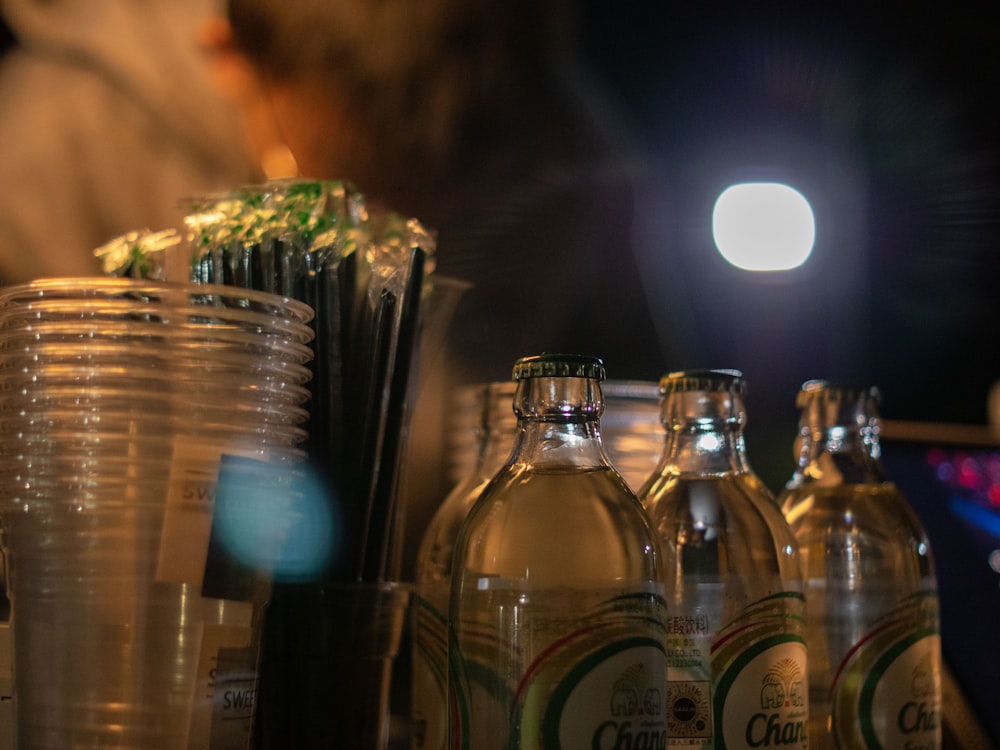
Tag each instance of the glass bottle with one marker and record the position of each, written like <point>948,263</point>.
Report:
<point>493,429</point>
<point>871,595</point>
<point>556,607</point>
<point>736,653</point>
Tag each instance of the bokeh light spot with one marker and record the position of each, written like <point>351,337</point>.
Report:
<point>763,226</point>
<point>278,520</point>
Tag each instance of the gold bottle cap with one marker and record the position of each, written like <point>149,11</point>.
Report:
<point>559,365</point>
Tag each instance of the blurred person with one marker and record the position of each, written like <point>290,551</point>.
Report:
<point>107,121</point>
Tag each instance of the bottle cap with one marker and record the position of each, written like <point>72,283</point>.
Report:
<point>560,366</point>
<point>703,380</point>
<point>849,393</point>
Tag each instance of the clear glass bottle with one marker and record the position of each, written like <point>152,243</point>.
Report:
<point>556,606</point>
<point>871,595</point>
<point>736,653</point>
<point>493,434</point>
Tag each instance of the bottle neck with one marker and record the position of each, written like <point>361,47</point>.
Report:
<point>704,432</point>
<point>838,439</point>
<point>558,423</point>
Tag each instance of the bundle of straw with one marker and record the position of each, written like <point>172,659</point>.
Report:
<point>363,273</point>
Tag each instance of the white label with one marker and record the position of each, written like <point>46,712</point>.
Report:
<point>763,697</point>
<point>235,699</point>
<point>900,701</point>
<point>190,504</point>
<point>211,678</point>
<point>615,698</point>
<point>595,681</point>
<point>689,678</point>
<point>187,519</point>
<point>887,691</point>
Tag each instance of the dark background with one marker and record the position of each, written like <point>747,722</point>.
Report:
<point>886,120</point>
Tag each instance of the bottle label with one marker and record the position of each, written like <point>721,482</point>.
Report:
<point>430,665</point>
<point>479,695</point>
<point>762,700</point>
<point>600,682</point>
<point>689,678</point>
<point>615,698</point>
<point>887,691</point>
<point>744,686</point>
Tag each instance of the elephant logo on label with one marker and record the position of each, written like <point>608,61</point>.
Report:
<point>653,702</point>
<point>624,699</point>
<point>634,693</point>
<point>772,695</point>
<point>783,686</point>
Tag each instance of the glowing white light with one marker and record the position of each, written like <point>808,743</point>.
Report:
<point>763,226</point>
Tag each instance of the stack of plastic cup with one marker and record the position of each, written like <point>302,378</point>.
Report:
<point>632,428</point>
<point>149,464</point>
<point>630,425</point>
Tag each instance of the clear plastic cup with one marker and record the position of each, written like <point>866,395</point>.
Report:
<point>150,449</point>
<point>630,426</point>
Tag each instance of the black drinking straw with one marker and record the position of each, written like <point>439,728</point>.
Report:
<point>372,381</point>
<point>379,554</point>
<point>324,419</point>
